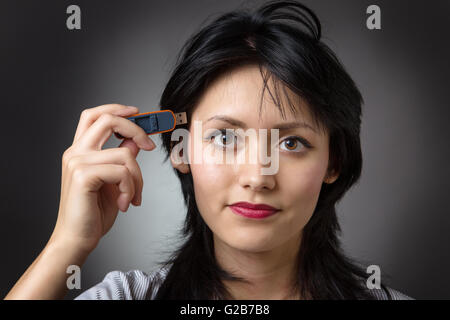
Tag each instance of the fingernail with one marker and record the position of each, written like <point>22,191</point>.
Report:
<point>132,108</point>
<point>139,200</point>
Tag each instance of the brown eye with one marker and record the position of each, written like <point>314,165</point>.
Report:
<point>291,144</point>
<point>294,144</point>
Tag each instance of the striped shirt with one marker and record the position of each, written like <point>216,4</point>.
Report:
<point>137,285</point>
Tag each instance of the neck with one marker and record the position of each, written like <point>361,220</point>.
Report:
<point>270,274</point>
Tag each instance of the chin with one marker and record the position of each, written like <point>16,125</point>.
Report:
<point>250,242</point>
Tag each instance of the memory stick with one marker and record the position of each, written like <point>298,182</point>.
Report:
<point>157,121</point>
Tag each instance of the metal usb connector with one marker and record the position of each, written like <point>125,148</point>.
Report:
<point>181,118</point>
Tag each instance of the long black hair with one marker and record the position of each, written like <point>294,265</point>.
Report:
<point>284,39</point>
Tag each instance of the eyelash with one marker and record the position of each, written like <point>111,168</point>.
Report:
<point>303,141</point>
<point>223,132</point>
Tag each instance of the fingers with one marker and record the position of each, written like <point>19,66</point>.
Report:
<point>95,127</point>
<point>100,131</point>
<point>94,177</point>
<point>89,116</point>
<point>118,156</point>
<point>129,143</point>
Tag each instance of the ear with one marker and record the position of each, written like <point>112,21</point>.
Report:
<point>176,159</point>
<point>331,177</point>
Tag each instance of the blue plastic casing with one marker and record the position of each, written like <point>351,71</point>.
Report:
<point>153,122</point>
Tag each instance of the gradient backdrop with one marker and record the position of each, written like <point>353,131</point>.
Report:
<point>397,216</point>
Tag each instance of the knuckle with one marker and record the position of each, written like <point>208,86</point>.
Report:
<point>79,175</point>
<point>66,156</point>
<point>85,113</point>
<point>123,171</point>
<point>128,179</point>
<point>132,165</point>
<point>72,164</point>
<point>126,153</point>
<point>106,117</point>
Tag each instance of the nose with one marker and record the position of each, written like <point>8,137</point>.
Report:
<point>250,172</point>
<point>250,177</point>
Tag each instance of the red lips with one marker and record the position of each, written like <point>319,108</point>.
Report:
<point>250,210</point>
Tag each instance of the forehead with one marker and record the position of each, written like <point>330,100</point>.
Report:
<point>238,93</point>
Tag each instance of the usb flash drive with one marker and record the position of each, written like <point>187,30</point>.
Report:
<point>157,121</point>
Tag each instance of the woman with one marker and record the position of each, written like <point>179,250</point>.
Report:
<point>269,62</point>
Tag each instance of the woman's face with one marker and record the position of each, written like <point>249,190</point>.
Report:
<point>293,189</point>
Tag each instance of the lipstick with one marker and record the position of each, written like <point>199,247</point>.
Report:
<point>254,211</point>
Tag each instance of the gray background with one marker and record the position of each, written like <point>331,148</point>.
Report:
<point>397,216</point>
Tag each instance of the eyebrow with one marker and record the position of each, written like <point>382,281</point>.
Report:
<point>281,126</point>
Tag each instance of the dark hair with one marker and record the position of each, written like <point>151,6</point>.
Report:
<point>282,37</point>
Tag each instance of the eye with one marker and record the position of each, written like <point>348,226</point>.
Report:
<point>224,139</point>
<point>295,144</point>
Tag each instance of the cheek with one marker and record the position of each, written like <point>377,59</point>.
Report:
<point>211,183</point>
<point>208,176</point>
<point>301,183</point>
<point>211,179</point>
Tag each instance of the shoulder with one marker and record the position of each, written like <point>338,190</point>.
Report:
<point>380,294</point>
<point>129,285</point>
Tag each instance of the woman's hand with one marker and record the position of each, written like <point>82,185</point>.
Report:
<point>97,183</point>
